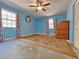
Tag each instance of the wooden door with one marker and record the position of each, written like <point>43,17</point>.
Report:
<point>62,30</point>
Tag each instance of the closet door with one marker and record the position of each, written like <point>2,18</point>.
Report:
<point>76,26</point>
<point>62,30</point>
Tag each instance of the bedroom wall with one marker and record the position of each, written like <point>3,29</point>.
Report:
<point>41,23</point>
<point>25,27</point>
<point>70,17</point>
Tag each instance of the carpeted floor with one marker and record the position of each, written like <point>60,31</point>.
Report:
<point>52,43</point>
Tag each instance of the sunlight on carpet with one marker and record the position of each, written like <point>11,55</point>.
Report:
<point>52,43</point>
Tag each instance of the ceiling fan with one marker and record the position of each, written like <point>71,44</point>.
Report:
<point>40,5</point>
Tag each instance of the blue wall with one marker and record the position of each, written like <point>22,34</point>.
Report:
<point>26,28</point>
<point>61,17</point>
<point>70,17</point>
<point>41,23</point>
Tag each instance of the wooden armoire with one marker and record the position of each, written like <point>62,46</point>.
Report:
<point>62,30</point>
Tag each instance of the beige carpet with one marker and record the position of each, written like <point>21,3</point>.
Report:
<point>52,43</point>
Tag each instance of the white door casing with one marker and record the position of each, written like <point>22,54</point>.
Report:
<point>76,25</point>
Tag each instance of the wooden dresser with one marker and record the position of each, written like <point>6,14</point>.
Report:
<point>62,30</point>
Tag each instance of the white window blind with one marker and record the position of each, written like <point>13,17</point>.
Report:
<point>8,19</point>
<point>51,23</point>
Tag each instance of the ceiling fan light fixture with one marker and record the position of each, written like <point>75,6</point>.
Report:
<point>40,5</point>
<point>39,8</point>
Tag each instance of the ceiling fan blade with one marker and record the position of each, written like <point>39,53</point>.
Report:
<point>39,1</point>
<point>32,6</point>
<point>43,9</point>
<point>46,4</point>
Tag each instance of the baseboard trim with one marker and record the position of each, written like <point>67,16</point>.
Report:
<point>51,34</point>
<point>26,35</point>
<point>9,38</point>
<point>72,44</point>
<point>76,47</point>
<point>32,34</point>
<point>6,39</point>
<point>41,33</point>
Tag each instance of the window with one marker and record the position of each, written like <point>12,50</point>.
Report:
<point>51,24</point>
<point>8,19</point>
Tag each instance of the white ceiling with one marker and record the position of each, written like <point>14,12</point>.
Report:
<point>56,7</point>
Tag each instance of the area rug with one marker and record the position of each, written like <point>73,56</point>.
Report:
<point>52,43</point>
